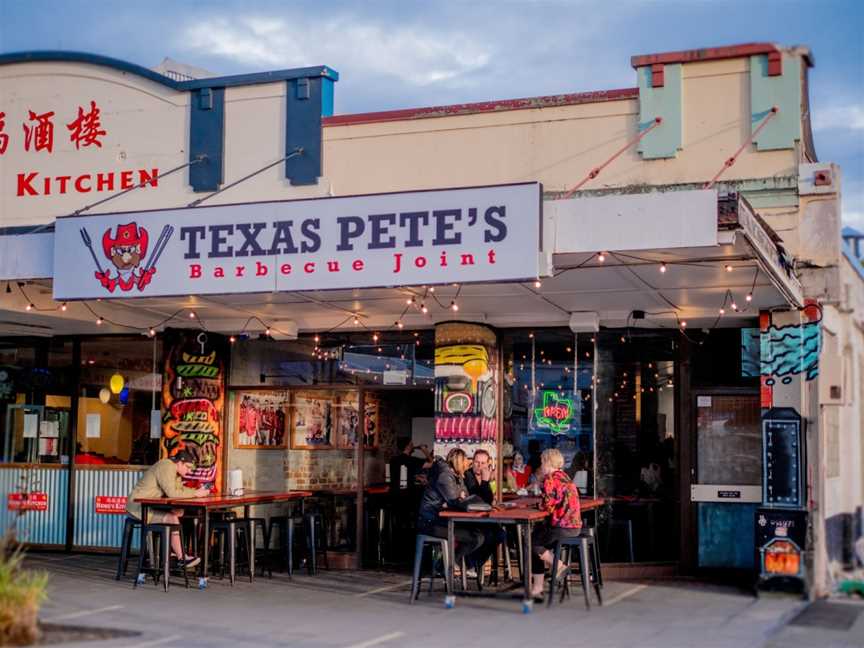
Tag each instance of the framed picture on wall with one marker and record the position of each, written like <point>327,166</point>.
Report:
<point>313,420</point>
<point>348,420</point>
<point>261,419</point>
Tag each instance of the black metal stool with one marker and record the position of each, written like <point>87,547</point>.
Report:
<point>589,565</point>
<point>227,532</point>
<point>316,540</point>
<point>129,526</point>
<point>420,545</point>
<point>160,558</point>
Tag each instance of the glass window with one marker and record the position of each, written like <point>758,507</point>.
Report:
<point>549,376</point>
<point>121,383</point>
<point>637,445</point>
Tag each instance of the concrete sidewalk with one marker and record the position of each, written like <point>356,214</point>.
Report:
<point>369,609</point>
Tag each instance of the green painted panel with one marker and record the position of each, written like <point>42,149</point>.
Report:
<point>667,102</point>
<point>783,91</point>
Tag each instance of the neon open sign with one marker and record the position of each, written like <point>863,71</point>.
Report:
<point>556,413</point>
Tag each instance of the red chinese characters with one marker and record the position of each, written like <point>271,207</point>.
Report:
<point>40,135</point>
<point>4,138</point>
<point>86,129</point>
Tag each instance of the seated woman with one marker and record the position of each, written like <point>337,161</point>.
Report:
<point>521,471</point>
<point>561,501</point>
<point>445,488</point>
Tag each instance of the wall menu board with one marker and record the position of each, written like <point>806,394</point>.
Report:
<point>782,483</point>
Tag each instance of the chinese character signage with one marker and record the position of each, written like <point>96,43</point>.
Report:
<point>27,501</point>
<point>456,235</point>
<point>112,505</point>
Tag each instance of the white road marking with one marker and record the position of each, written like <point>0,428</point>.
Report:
<point>157,642</point>
<point>81,613</point>
<point>377,640</point>
<point>624,595</point>
<point>386,588</point>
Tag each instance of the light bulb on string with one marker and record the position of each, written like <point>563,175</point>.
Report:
<point>232,339</point>
<point>722,311</point>
<point>152,332</point>
<point>423,309</point>
<point>734,307</point>
<point>63,307</point>
<point>317,339</point>
<point>267,332</point>
<point>374,337</point>
<point>191,314</point>
<point>431,289</point>
<point>410,301</point>
<point>454,306</point>
<point>29,307</point>
<point>538,283</point>
<point>399,324</point>
<point>749,297</point>
<point>683,324</point>
<point>601,257</point>
<point>99,321</point>
<point>663,267</point>
<point>728,267</point>
<point>356,320</point>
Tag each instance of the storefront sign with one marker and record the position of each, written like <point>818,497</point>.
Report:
<point>455,235</point>
<point>555,413</point>
<point>113,505</point>
<point>780,540</point>
<point>27,501</point>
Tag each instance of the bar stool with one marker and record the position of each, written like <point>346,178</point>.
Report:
<point>420,545</point>
<point>227,532</point>
<point>160,559</point>
<point>316,540</point>
<point>130,524</point>
<point>313,533</point>
<point>589,565</point>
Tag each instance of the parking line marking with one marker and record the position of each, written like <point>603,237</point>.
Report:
<point>81,613</point>
<point>386,588</point>
<point>377,640</point>
<point>157,642</point>
<point>624,595</point>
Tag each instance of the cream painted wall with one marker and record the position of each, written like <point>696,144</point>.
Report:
<point>147,127</point>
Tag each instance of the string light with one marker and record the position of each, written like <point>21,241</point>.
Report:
<point>191,314</point>
<point>454,306</point>
<point>410,301</point>
<point>399,324</point>
<point>683,324</point>
<point>356,320</point>
<point>734,307</point>
<point>232,339</point>
<point>431,289</point>
<point>63,307</point>
<point>152,332</point>
<point>663,267</point>
<point>538,283</point>
<point>423,309</point>
<point>722,311</point>
<point>749,297</point>
<point>601,257</point>
<point>29,307</point>
<point>374,337</point>
<point>729,267</point>
<point>317,339</point>
<point>99,321</point>
<point>267,332</point>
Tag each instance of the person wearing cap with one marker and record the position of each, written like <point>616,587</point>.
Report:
<point>163,479</point>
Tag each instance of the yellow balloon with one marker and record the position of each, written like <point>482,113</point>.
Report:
<point>116,383</point>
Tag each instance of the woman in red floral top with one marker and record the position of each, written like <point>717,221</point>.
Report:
<point>561,501</point>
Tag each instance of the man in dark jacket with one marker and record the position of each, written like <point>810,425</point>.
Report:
<point>479,481</point>
<point>446,488</point>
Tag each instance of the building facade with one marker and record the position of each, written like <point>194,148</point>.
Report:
<point>650,279</point>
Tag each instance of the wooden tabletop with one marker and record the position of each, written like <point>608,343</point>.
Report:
<point>347,492</point>
<point>213,501</point>
<point>515,513</point>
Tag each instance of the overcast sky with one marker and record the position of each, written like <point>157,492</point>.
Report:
<point>401,53</point>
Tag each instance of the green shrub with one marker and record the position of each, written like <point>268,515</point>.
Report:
<point>22,592</point>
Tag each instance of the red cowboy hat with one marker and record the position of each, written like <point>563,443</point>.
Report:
<point>129,234</point>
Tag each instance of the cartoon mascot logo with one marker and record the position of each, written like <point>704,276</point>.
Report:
<point>127,251</point>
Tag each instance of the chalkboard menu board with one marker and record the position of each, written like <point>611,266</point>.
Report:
<point>783,458</point>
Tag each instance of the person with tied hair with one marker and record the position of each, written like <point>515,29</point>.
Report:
<point>445,488</point>
<point>560,499</point>
<point>163,479</point>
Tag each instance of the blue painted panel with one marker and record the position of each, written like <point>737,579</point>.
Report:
<point>783,91</point>
<point>207,138</point>
<point>667,102</point>
<point>303,129</point>
<point>727,535</point>
<point>327,88</point>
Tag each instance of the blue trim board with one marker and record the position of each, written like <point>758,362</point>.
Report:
<point>783,91</point>
<point>207,138</point>
<point>667,102</point>
<point>304,98</point>
<point>60,56</point>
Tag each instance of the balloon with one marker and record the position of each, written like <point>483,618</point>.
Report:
<point>116,383</point>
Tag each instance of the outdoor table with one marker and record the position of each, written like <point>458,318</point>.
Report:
<point>522,516</point>
<point>220,503</point>
<point>334,493</point>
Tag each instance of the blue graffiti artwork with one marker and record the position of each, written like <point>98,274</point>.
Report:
<point>750,361</point>
<point>788,351</point>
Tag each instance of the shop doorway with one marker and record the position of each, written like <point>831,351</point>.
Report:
<point>726,479</point>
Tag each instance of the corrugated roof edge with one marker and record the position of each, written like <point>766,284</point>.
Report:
<point>527,103</point>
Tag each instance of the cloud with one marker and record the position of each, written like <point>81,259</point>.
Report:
<point>412,55</point>
<point>849,117</point>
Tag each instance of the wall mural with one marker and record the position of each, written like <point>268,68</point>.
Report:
<point>465,385</point>
<point>193,399</point>
<point>789,348</point>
